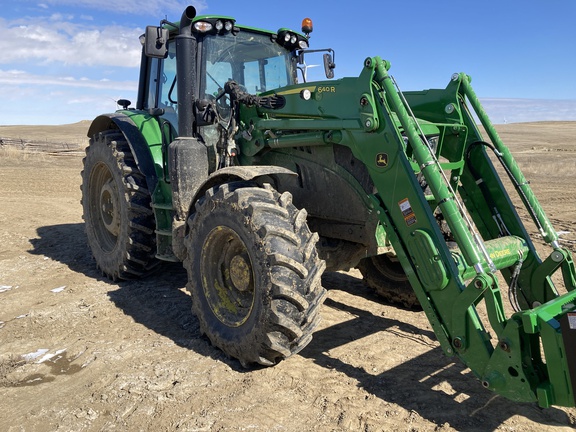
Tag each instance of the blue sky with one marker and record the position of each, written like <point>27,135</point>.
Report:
<point>64,61</point>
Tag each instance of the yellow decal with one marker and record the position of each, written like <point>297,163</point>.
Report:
<point>500,254</point>
<point>382,160</point>
<point>326,89</point>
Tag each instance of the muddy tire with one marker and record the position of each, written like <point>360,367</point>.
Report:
<point>116,209</point>
<point>388,279</point>
<point>253,273</point>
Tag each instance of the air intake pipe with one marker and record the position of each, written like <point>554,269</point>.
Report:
<point>186,72</point>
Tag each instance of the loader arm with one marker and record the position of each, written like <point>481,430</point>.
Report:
<point>525,355</point>
<point>509,358</point>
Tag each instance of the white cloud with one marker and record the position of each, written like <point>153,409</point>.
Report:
<point>68,43</point>
<point>60,17</point>
<point>37,99</point>
<point>70,62</point>
<point>156,8</point>
<point>21,78</point>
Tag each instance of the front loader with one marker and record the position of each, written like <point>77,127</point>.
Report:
<point>259,181</point>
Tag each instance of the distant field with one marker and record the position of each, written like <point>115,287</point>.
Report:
<point>59,138</point>
<point>519,136</point>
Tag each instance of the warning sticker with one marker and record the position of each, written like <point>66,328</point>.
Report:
<point>407,212</point>
<point>405,207</point>
<point>410,220</point>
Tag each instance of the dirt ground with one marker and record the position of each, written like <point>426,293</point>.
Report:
<point>81,353</point>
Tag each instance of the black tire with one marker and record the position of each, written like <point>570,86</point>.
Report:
<point>388,279</point>
<point>116,205</point>
<point>254,273</point>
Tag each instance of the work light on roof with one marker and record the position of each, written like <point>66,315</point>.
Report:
<point>202,26</point>
<point>291,40</point>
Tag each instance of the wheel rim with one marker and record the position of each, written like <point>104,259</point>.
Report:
<point>104,207</point>
<point>227,276</point>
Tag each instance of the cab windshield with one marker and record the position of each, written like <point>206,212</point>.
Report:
<point>251,59</point>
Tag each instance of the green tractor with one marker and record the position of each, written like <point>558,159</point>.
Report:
<point>259,181</point>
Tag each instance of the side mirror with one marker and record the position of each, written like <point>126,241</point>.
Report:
<point>329,66</point>
<point>301,57</point>
<point>155,42</point>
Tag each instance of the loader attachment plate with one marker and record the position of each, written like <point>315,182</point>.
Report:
<point>568,327</point>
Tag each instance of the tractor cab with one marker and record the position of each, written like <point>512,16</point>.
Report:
<point>186,66</point>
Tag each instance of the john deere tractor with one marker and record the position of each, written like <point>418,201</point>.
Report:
<point>259,181</point>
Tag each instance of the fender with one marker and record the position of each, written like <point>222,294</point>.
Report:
<point>224,175</point>
<point>240,173</point>
<point>138,143</point>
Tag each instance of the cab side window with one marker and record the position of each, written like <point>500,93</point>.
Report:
<point>162,86</point>
<point>153,68</point>
<point>168,86</point>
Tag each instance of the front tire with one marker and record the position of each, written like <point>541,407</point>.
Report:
<point>254,273</point>
<point>116,209</point>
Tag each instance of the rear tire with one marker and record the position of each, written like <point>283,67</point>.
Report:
<point>116,209</point>
<point>388,279</point>
<point>254,273</point>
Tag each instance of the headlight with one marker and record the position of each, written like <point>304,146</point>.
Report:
<point>202,26</point>
<point>303,44</point>
<point>305,94</point>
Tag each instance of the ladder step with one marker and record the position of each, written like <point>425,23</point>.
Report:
<point>170,258</point>
<point>162,206</point>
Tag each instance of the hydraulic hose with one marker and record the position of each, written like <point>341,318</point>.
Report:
<point>515,183</point>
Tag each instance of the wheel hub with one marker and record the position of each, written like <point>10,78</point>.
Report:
<point>109,208</point>
<point>240,274</point>
<point>227,276</point>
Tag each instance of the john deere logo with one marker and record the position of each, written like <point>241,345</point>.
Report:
<point>382,160</point>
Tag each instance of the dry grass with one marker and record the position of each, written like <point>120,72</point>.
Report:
<point>14,154</point>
